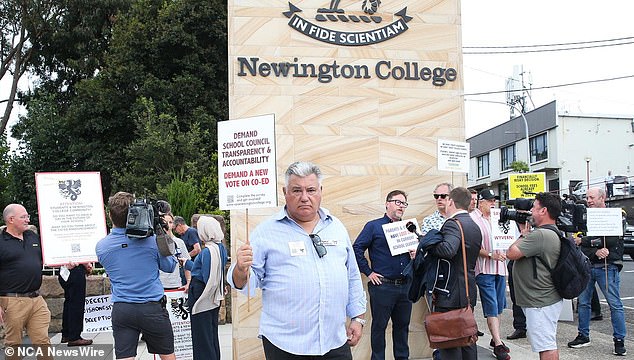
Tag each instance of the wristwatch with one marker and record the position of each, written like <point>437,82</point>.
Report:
<point>359,320</point>
<point>490,255</point>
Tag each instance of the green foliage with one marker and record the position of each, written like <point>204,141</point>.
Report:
<point>134,90</point>
<point>182,195</point>
<point>208,199</point>
<point>519,166</point>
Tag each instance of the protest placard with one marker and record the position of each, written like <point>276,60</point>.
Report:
<point>98,314</point>
<point>605,222</point>
<point>246,163</point>
<point>399,239</point>
<point>71,216</point>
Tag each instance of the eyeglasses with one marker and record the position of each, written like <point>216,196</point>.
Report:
<point>23,217</point>
<point>319,245</point>
<point>442,196</point>
<point>399,203</point>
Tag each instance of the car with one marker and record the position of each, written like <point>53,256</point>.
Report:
<point>628,241</point>
<point>621,186</point>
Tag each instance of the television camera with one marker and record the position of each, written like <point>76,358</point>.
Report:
<point>145,219</point>
<point>572,218</point>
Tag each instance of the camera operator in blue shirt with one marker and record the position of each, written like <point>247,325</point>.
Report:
<point>137,293</point>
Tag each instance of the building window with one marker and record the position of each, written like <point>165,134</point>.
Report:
<point>483,165</point>
<point>539,148</point>
<point>507,156</point>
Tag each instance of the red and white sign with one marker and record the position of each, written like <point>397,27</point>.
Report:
<point>246,163</point>
<point>72,216</point>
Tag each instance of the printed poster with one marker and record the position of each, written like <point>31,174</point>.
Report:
<point>502,237</point>
<point>98,318</point>
<point>72,216</point>
<point>453,156</point>
<point>246,163</point>
<point>181,325</point>
<point>98,314</point>
<point>399,239</point>
<point>605,221</point>
<point>526,185</point>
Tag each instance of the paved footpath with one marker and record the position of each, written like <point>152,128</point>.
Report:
<point>601,347</point>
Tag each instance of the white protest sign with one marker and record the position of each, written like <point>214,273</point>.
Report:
<point>246,163</point>
<point>453,156</point>
<point>502,237</point>
<point>72,216</point>
<point>181,325</point>
<point>399,239</point>
<point>98,314</point>
<point>605,222</point>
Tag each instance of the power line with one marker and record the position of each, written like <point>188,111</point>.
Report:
<point>542,50</point>
<point>554,86</point>
<point>547,45</point>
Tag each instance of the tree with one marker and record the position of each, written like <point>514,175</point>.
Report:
<point>519,166</point>
<point>22,24</point>
<point>144,103</point>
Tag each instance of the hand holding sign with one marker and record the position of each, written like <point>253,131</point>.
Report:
<point>399,238</point>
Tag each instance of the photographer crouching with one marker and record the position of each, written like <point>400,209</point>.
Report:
<point>133,264</point>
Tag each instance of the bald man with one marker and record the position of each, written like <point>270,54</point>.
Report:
<point>21,305</point>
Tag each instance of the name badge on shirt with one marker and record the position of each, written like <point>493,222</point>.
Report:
<point>330,242</point>
<point>297,248</point>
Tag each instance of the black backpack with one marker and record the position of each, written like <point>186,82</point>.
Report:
<point>572,272</point>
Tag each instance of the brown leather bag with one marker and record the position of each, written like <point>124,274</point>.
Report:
<point>455,328</point>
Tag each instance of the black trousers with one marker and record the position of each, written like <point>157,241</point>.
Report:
<point>204,326</point>
<point>74,303</point>
<point>272,352</point>
<point>519,320</point>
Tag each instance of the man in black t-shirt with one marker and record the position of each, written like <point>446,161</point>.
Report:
<point>21,305</point>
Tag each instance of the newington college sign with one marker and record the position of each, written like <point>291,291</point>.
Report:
<point>334,14</point>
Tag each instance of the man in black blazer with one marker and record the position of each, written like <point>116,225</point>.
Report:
<point>453,295</point>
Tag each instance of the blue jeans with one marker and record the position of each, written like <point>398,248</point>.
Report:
<point>389,301</point>
<point>492,294</point>
<point>612,295</point>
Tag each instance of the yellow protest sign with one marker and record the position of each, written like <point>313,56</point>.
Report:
<point>526,185</point>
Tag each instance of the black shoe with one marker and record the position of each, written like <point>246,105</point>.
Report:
<point>619,347</point>
<point>500,353</point>
<point>517,334</point>
<point>480,333</point>
<point>492,346</point>
<point>597,317</point>
<point>80,342</point>
<point>64,340</point>
<point>579,341</point>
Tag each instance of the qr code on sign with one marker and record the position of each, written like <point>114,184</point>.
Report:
<point>230,199</point>
<point>75,248</point>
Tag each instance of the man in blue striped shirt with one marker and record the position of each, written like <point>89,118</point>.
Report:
<point>303,261</point>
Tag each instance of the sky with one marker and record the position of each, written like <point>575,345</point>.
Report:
<point>513,23</point>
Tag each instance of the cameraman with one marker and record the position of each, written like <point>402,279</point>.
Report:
<point>137,293</point>
<point>605,253</point>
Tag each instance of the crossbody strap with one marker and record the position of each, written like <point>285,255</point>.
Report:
<point>464,260</point>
